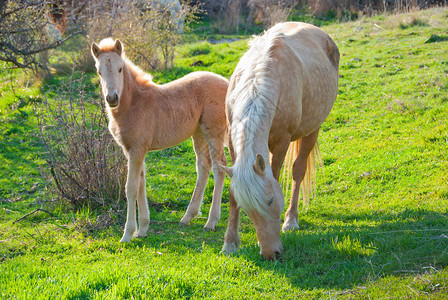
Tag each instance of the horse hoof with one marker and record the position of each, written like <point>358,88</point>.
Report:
<point>209,229</point>
<point>125,239</point>
<point>229,248</point>
<point>290,227</point>
<point>183,224</point>
<point>210,226</point>
<point>140,235</point>
<point>185,221</point>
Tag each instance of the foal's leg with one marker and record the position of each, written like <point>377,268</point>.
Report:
<point>203,166</point>
<point>298,172</point>
<point>232,237</point>
<point>142,203</point>
<point>216,145</point>
<point>135,168</point>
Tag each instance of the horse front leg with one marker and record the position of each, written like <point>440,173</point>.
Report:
<point>142,204</point>
<point>135,167</point>
<point>232,237</point>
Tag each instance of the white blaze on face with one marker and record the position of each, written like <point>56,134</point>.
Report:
<point>110,68</point>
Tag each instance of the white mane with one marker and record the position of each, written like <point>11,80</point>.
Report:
<point>255,100</point>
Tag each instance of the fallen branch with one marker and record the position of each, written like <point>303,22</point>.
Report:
<point>29,214</point>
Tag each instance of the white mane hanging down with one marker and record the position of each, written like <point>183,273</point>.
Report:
<point>255,100</point>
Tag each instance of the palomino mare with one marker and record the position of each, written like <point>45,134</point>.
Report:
<point>144,117</point>
<point>280,93</point>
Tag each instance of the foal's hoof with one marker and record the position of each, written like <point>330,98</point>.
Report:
<point>210,226</point>
<point>209,229</point>
<point>140,235</point>
<point>183,223</point>
<point>125,239</point>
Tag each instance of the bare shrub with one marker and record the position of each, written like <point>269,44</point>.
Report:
<point>149,30</point>
<point>226,15</point>
<point>233,15</point>
<point>27,33</point>
<point>369,7</point>
<point>84,166</point>
<point>269,12</point>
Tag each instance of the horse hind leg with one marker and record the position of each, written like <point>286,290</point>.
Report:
<point>142,203</point>
<point>203,167</point>
<point>299,170</point>
<point>218,157</point>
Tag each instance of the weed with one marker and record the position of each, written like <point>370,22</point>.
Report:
<point>434,38</point>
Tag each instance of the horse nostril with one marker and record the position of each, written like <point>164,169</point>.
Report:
<point>278,255</point>
<point>112,100</point>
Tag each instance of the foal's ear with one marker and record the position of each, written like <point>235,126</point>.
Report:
<point>228,170</point>
<point>118,47</point>
<point>260,165</point>
<point>95,49</point>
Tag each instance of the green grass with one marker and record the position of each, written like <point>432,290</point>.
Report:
<point>377,227</point>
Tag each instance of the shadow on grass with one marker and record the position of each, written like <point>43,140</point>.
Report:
<point>316,257</point>
<point>341,257</point>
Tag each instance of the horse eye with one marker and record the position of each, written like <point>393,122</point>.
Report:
<point>121,69</point>
<point>99,73</point>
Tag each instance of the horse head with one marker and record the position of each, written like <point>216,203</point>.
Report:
<point>109,65</point>
<point>266,205</point>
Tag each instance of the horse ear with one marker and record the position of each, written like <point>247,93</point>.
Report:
<point>95,50</point>
<point>260,165</point>
<point>228,170</point>
<point>118,47</point>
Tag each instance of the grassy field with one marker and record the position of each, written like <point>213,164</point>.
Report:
<point>377,228</point>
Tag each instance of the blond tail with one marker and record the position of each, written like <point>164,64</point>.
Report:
<point>308,185</point>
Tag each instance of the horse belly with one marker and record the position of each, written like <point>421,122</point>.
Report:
<point>311,80</point>
<point>312,105</point>
<point>173,135</point>
<point>318,100</point>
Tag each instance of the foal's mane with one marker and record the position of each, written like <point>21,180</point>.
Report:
<point>140,76</point>
<point>255,99</point>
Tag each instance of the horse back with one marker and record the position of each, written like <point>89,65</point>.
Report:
<point>306,59</point>
<point>195,100</point>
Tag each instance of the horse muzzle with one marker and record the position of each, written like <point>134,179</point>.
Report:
<point>272,253</point>
<point>112,100</point>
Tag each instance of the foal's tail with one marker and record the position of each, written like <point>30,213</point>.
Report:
<point>308,185</point>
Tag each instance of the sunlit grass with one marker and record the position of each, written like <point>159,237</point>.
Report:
<point>377,227</point>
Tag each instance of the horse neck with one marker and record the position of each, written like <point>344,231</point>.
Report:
<point>249,139</point>
<point>254,100</point>
<point>133,92</point>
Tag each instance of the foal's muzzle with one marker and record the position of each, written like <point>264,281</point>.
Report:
<point>112,100</point>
